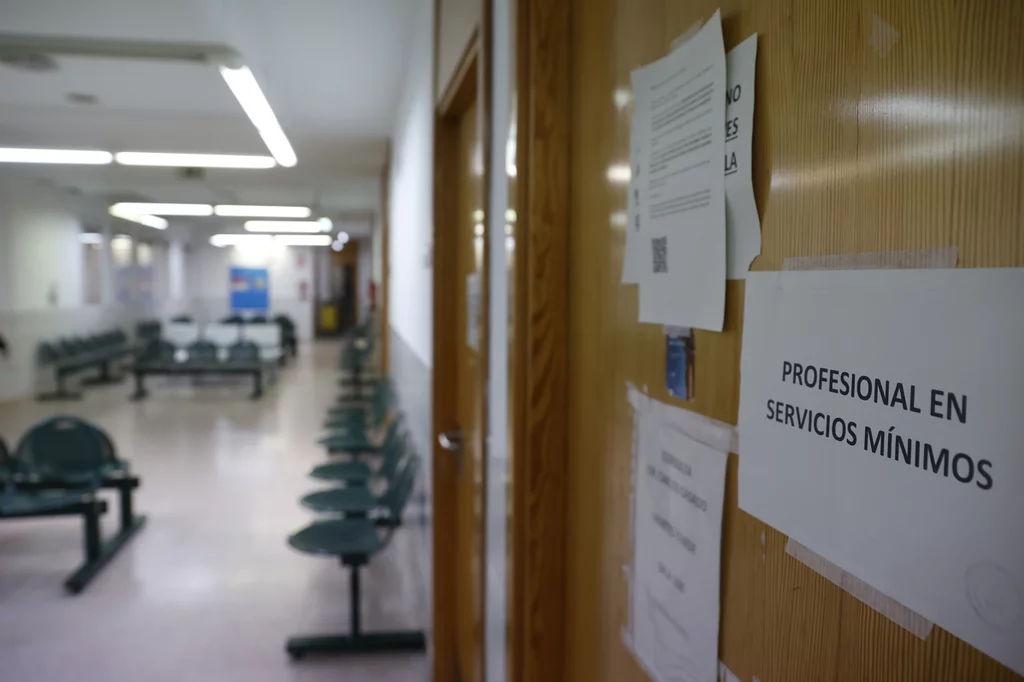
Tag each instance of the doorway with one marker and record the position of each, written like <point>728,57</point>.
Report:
<point>459,373</point>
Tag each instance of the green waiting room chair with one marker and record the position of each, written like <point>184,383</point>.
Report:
<point>360,443</point>
<point>355,542</point>
<point>359,473</point>
<point>56,470</point>
<point>359,500</point>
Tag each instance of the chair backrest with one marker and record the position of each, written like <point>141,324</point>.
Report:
<point>5,455</point>
<point>64,447</point>
<point>183,318</point>
<point>258,319</point>
<point>244,351</point>
<point>233,319</point>
<point>400,490</point>
<point>202,351</point>
<point>286,323</point>
<point>393,457</point>
<point>157,351</point>
<point>223,335</point>
<point>262,334</point>
<point>381,403</point>
<point>47,353</point>
<point>181,334</point>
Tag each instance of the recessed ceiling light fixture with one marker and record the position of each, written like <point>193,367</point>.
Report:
<point>303,239</point>
<point>92,238</point>
<point>289,226</point>
<point>234,211</point>
<point>153,221</point>
<point>176,160</point>
<point>222,240</point>
<point>247,91</point>
<point>163,209</point>
<point>87,157</point>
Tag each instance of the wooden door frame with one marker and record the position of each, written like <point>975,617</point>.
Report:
<point>540,452</point>
<point>467,85</point>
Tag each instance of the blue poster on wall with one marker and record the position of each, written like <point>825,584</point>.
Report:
<point>250,289</point>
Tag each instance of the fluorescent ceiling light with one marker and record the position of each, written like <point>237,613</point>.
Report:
<point>142,219</point>
<point>290,226</point>
<point>193,160</point>
<point>326,224</point>
<point>303,239</point>
<point>343,237</point>
<point>90,238</point>
<point>240,239</point>
<point>247,91</point>
<point>164,209</point>
<point>71,156</point>
<point>233,211</point>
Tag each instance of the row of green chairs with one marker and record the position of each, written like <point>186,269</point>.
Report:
<point>57,469</point>
<point>73,355</point>
<point>361,512</point>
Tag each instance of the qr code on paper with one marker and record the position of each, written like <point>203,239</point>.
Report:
<point>659,252</point>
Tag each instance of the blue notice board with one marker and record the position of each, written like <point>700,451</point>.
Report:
<point>250,289</point>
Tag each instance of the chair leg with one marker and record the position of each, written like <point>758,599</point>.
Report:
<point>98,553</point>
<point>357,642</point>
<point>61,392</point>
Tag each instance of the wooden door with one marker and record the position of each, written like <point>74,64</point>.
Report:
<point>879,126</point>
<point>459,373</point>
<point>468,377</point>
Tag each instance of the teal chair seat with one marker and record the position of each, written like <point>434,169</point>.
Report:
<point>359,473</point>
<point>338,537</point>
<point>350,472</point>
<point>360,443</point>
<point>16,503</point>
<point>356,500</point>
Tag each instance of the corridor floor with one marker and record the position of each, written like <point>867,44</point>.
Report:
<point>209,590</point>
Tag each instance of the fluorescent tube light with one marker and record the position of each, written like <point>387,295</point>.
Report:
<point>69,156</point>
<point>142,219</point>
<point>233,211</point>
<point>247,91</point>
<point>193,160</point>
<point>289,226</point>
<point>164,209</point>
<point>90,238</point>
<point>222,240</point>
<point>303,239</point>
<point>326,224</point>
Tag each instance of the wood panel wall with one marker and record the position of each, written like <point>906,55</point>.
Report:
<point>880,125</point>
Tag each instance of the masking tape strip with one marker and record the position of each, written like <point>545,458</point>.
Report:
<point>913,259</point>
<point>887,606</point>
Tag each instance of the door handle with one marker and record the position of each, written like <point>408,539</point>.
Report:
<point>451,441</point>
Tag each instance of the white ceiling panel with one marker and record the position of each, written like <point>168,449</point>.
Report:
<point>332,70</point>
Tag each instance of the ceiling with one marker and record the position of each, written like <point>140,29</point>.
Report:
<point>332,70</point>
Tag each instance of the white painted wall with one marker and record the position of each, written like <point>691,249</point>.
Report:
<point>410,204</point>
<point>209,292</point>
<point>458,19</point>
<point>42,278</point>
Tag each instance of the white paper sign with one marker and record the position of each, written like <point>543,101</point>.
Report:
<point>682,189</point>
<point>743,226</point>
<point>882,426</point>
<point>678,540</point>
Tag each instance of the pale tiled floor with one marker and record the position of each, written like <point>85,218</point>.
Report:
<point>208,591</point>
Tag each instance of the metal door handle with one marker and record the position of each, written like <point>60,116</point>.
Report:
<point>451,441</point>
